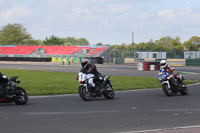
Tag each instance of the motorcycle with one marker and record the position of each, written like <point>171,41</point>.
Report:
<point>103,87</point>
<point>170,85</point>
<point>13,92</point>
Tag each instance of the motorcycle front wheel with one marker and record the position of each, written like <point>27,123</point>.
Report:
<point>21,97</point>
<point>109,92</point>
<point>86,96</point>
<point>167,90</point>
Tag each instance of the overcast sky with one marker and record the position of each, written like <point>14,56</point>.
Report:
<point>105,21</point>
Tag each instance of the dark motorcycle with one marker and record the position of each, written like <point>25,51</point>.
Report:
<point>170,85</point>
<point>13,92</point>
<point>103,87</point>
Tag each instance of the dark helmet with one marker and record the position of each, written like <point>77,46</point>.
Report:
<point>84,62</point>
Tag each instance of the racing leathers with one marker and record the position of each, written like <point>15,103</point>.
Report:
<point>92,73</point>
<point>170,69</point>
<point>177,76</point>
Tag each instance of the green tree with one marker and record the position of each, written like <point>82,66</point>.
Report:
<point>34,42</point>
<point>53,40</point>
<point>82,41</point>
<point>70,41</point>
<point>14,34</point>
<point>193,43</point>
<point>99,44</point>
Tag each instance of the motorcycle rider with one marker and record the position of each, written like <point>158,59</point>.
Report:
<point>89,68</point>
<point>170,69</point>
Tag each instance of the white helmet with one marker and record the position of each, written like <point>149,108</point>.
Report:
<point>163,64</point>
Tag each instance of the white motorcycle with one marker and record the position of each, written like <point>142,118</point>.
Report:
<point>103,87</point>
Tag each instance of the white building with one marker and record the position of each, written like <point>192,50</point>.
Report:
<point>191,54</point>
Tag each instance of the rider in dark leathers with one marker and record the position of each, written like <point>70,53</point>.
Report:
<point>89,68</point>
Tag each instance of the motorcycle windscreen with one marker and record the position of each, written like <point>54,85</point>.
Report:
<point>82,77</point>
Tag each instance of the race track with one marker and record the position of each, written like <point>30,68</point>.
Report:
<point>130,112</point>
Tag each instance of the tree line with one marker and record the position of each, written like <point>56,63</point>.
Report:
<point>16,34</point>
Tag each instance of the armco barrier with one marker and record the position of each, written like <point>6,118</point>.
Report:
<point>192,62</point>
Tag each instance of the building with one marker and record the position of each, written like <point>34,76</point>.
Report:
<point>151,54</point>
<point>191,54</point>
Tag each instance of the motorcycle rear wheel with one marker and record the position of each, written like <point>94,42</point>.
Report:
<point>167,90</point>
<point>21,97</point>
<point>86,96</point>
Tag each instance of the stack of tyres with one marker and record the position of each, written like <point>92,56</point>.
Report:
<point>146,66</point>
<point>140,66</point>
<point>152,66</point>
<point>157,66</point>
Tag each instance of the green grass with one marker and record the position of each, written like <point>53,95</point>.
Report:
<point>51,83</point>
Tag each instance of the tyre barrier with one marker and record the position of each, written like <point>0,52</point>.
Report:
<point>140,66</point>
<point>152,67</point>
<point>28,59</point>
<point>148,66</point>
<point>157,65</point>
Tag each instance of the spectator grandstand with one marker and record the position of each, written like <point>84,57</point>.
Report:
<point>51,50</point>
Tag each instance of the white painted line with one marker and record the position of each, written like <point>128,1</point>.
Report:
<point>194,84</point>
<point>155,130</point>
<point>71,112</point>
<point>48,96</point>
<point>179,110</point>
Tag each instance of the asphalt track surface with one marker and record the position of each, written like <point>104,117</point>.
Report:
<point>130,112</point>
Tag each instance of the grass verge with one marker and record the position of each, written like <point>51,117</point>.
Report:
<point>52,83</point>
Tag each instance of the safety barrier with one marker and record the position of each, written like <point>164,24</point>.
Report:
<point>140,66</point>
<point>98,60</point>
<point>27,59</point>
<point>176,62</point>
<point>119,60</point>
<point>148,66</point>
<point>192,62</point>
<point>129,60</point>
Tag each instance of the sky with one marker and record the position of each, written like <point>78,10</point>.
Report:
<point>105,21</point>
